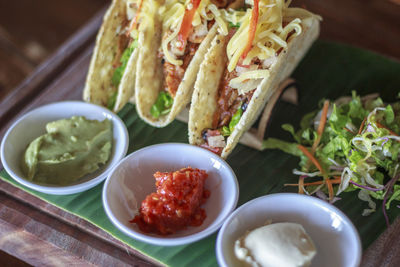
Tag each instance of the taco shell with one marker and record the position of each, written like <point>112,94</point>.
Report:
<point>204,100</point>
<point>150,77</point>
<point>98,87</point>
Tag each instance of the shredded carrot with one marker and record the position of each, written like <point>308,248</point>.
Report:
<point>349,130</point>
<point>135,19</point>
<point>186,24</point>
<point>252,29</point>
<point>311,157</point>
<point>301,185</point>
<point>332,181</point>
<point>383,126</point>
<point>330,189</point>
<point>362,125</point>
<point>321,125</point>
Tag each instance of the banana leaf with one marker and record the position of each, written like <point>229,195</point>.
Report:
<point>329,70</point>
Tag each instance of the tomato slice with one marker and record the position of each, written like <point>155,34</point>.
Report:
<point>186,24</point>
<point>242,65</point>
<point>215,150</point>
<point>135,19</point>
<point>252,29</point>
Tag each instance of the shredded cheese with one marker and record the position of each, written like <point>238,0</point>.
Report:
<point>253,74</point>
<point>216,141</point>
<point>146,22</point>
<point>171,25</point>
<point>270,36</point>
<point>294,25</point>
<point>131,9</point>
<point>249,80</point>
<point>277,24</point>
<point>172,19</point>
<point>218,19</point>
<point>233,16</point>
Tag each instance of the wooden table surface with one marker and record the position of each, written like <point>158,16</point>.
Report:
<point>41,234</point>
<point>30,31</point>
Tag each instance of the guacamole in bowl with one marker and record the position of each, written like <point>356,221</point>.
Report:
<point>42,150</point>
<point>70,149</point>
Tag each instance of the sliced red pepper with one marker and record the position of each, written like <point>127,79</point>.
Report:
<point>186,24</point>
<point>215,150</point>
<point>301,184</point>
<point>135,19</point>
<point>242,65</point>
<point>252,29</point>
<point>383,126</point>
<point>311,158</point>
<point>362,125</point>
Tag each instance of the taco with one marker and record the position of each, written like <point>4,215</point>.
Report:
<point>111,77</point>
<point>170,56</point>
<point>242,70</point>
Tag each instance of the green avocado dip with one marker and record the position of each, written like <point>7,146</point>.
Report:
<point>69,150</point>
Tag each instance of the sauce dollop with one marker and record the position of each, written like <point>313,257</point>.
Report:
<point>70,149</point>
<point>176,203</point>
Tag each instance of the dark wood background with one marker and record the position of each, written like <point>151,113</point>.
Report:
<point>39,41</point>
<point>31,30</point>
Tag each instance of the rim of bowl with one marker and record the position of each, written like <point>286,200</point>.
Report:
<point>175,241</point>
<point>221,233</point>
<point>76,188</point>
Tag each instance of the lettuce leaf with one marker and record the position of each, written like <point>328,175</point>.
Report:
<point>119,71</point>
<point>227,130</point>
<point>354,143</point>
<point>290,148</point>
<point>163,105</point>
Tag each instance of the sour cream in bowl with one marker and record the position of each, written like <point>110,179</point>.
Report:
<point>133,180</point>
<point>39,141</point>
<point>306,227</point>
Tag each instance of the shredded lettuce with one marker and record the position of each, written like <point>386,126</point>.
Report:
<point>112,100</point>
<point>232,25</point>
<point>227,130</point>
<point>119,71</point>
<point>360,145</point>
<point>163,105</point>
<point>287,147</point>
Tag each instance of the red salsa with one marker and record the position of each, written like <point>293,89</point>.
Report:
<point>176,203</point>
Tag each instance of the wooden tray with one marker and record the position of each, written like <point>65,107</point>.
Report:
<point>31,228</point>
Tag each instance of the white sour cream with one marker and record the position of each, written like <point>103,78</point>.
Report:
<point>278,244</point>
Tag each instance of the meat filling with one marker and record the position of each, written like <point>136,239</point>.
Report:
<point>229,101</point>
<point>174,74</point>
<point>123,42</point>
<point>223,3</point>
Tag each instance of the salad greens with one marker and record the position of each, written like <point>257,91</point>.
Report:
<point>227,130</point>
<point>112,100</point>
<point>351,144</point>
<point>119,71</point>
<point>232,25</point>
<point>163,105</point>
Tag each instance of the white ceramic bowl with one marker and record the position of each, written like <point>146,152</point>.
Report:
<point>32,125</point>
<point>132,180</point>
<point>335,237</point>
